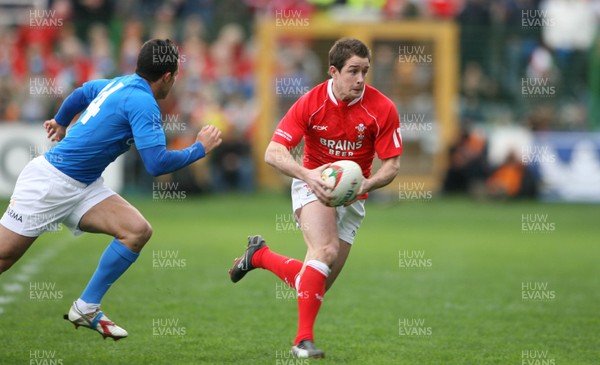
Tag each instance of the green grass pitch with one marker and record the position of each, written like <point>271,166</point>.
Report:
<point>446,281</point>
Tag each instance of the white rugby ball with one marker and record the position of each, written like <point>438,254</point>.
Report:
<point>344,178</point>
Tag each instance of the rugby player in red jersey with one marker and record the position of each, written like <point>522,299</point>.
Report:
<point>343,118</point>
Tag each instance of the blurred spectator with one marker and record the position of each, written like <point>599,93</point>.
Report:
<point>475,22</point>
<point>541,65</point>
<point>512,179</point>
<point>476,87</point>
<point>444,8</point>
<point>130,46</point>
<point>467,166</point>
<point>232,165</point>
<point>75,67</point>
<point>299,69</point>
<point>398,9</point>
<point>570,32</point>
<point>88,12</point>
<point>101,52</point>
<point>164,22</point>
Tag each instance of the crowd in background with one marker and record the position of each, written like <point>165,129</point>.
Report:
<point>502,42</point>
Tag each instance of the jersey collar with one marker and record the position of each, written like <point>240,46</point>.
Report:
<point>334,99</point>
<point>145,84</point>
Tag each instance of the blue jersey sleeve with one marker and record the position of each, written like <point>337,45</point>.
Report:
<point>159,161</point>
<point>91,89</point>
<point>145,120</point>
<point>79,99</point>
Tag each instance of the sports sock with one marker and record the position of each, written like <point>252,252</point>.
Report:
<point>115,260</point>
<point>311,289</point>
<point>284,267</point>
<point>85,307</point>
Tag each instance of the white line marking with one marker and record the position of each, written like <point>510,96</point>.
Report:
<point>31,267</point>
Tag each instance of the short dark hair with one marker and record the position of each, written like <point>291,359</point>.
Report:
<point>157,57</point>
<point>343,49</point>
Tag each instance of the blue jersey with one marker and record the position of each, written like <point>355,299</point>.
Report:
<point>119,112</point>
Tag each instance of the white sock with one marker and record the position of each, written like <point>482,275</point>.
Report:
<point>319,266</point>
<point>86,307</point>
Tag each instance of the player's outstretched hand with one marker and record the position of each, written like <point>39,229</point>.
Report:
<point>210,137</point>
<point>318,186</point>
<point>56,132</point>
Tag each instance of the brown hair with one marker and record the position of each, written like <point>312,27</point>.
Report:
<point>343,49</point>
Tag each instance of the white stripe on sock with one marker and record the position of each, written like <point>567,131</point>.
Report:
<point>319,266</point>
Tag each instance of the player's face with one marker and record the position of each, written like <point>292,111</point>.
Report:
<point>167,82</point>
<point>349,82</point>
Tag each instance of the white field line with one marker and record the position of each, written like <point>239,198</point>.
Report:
<point>31,266</point>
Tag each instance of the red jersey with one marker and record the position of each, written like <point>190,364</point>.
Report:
<point>335,130</point>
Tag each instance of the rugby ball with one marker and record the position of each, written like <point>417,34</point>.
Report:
<point>344,178</point>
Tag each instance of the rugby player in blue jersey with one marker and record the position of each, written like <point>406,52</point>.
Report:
<point>65,184</point>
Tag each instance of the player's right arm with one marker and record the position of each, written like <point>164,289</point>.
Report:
<point>74,104</point>
<point>278,156</point>
<point>288,134</point>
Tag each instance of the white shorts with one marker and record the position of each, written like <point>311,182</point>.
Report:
<point>44,197</point>
<point>349,218</point>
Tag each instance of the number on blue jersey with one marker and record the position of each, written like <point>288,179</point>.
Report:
<point>94,106</point>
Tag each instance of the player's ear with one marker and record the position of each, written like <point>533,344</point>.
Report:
<point>167,76</point>
<point>333,70</point>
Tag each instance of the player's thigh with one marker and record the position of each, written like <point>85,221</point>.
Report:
<point>12,247</point>
<point>319,228</point>
<point>338,264</point>
<point>117,217</point>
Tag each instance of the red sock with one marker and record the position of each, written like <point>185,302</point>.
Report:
<point>310,296</point>
<point>284,267</point>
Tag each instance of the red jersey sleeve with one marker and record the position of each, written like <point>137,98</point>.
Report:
<point>291,128</point>
<point>388,143</point>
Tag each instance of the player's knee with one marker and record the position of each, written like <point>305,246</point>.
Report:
<point>140,232</point>
<point>329,253</point>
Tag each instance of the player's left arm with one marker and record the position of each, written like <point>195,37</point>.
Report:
<point>145,120</point>
<point>159,161</point>
<point>385,175</point>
